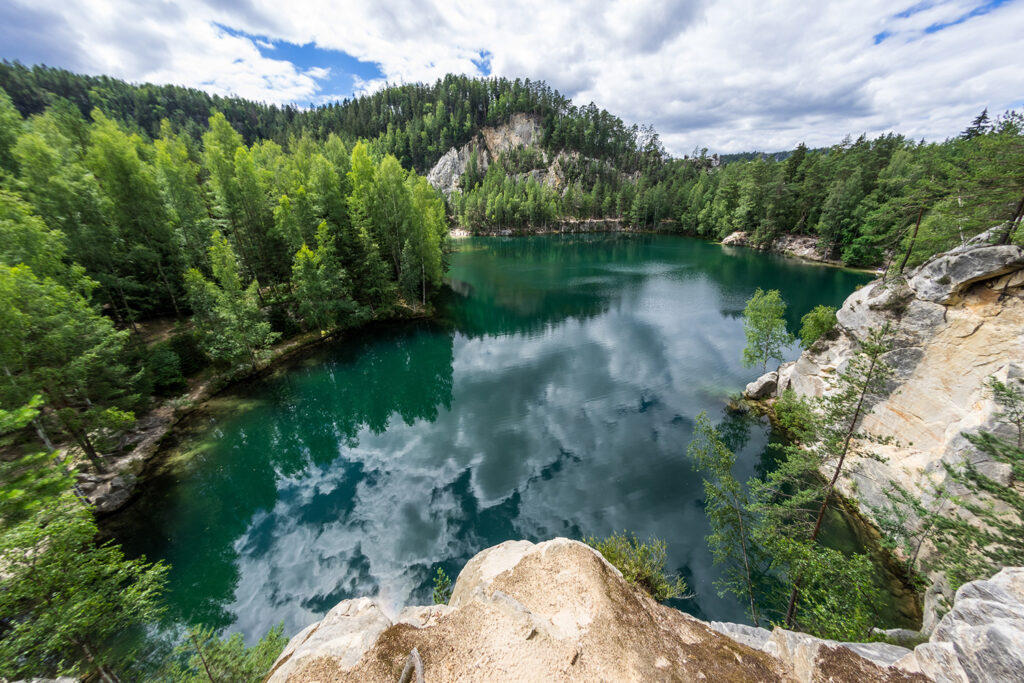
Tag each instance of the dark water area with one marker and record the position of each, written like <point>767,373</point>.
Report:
<point>554,395</point>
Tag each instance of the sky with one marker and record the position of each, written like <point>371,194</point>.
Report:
<point>731,76</point>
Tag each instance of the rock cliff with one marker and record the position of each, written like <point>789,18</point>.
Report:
<point>956,320</point>
<point>557,611</point>
<point>800,246</point>
<point>522,130</point>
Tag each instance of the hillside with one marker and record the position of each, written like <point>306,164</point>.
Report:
<point>881,202</point>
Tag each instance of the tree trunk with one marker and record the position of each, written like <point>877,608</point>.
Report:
<point>913,239</point>
<point>170,290</point>
<point>127,310</point>
<point>791,609</point>
<point>202,657</point>
<point>82,437</point>
<point>106,675</point>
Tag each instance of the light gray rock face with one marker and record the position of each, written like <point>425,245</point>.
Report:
<point>954,322</point>
<point>762,387</point>
<point>803,652</point>
<point>981,639</point>
<point>445,174</point>
<point>344,635</point>
<point>558,611</point>
<point>522,130</point>
<point>736,239</point>
<point>945,277</point>
<point>108,492</point>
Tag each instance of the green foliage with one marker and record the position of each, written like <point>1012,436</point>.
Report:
<point>641,563</point>
<point>728,509</point>
<point>202,656</point>
<point>57,346</point>
<point>31,481</point>
<point>442,588</point>
<point>764,324</point>
<point>817,323</point>
<point>226,314</point>
<point>839,595</point>
<point>796,417</point>
<point>191,358</point>
<point>321,285</point>
<point>63,597</point>
<point>983,530</point>
<point>164,368</point>
<point>766,534</point>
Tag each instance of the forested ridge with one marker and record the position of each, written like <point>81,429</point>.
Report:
<point>246,224</point>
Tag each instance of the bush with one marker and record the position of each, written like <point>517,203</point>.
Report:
<point>816,324</point>
<point>164,368</point>
<point>796,417</point>
<point>442,588</point>
<point>641,564</point>
<point>203,656</point>
<point>191,357</point>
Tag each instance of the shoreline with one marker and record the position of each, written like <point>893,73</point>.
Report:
<point>614,225</point>
<point>113,491</point>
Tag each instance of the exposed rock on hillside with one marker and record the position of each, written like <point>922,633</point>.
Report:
<point>799,246</point>
<point>956,320</point>
<point>557,611</point>
<point>522,130</point>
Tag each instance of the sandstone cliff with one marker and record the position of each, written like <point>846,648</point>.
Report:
<point>799,246</point>
<point>557,611</point>
<point>522,130</point>
<point>956,320</point>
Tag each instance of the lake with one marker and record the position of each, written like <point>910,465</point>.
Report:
<point>554,395</point>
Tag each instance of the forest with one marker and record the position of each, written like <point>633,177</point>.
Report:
<point>243,225</point>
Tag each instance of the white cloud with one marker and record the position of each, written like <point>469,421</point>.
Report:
<point>729,75</point>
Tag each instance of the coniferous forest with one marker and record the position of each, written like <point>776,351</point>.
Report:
<point>234,226</point>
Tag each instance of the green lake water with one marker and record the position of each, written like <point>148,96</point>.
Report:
<point>554,396</point>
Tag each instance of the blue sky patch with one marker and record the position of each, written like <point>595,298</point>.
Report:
<point>344,68</point>
<point>984,8</point>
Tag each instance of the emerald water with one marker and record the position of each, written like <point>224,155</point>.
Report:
<point>553,396</point>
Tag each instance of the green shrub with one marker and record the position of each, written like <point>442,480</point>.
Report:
<point>816,324</point>
<point>796,417</point>
<point>203,656</point>
<point>442,588</point>
<point>191,357</point>
<point>164,368</point>
<point>641,564</point>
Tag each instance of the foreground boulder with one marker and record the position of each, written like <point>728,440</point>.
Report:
<point>554,611</point>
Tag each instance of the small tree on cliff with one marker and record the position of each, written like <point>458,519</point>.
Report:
<point>842,413</point>
<point>765,326</point>
<point>728,509</point>
<point>979,530</point>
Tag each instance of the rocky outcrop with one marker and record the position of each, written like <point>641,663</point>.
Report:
<point>557,611</point>
<point>981,639</point>
<point>571,226</point>
<point>762,387</point>
<point>522,130</point>
<point>798,246</point>
<point>956,321</point>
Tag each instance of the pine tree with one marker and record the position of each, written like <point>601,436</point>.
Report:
<point>55,345</point>
<point>63,596</point>
<point>226,314</point>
